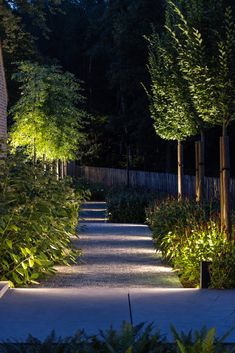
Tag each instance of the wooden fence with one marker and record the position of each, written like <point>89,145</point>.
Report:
<point>162,182</point>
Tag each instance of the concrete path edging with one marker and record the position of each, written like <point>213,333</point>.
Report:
<point>4,286</point>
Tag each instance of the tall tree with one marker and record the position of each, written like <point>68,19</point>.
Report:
<point>170,106</point>
<point>48,116</point>
<point>206,60</point>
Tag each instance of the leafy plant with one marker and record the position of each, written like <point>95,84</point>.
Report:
<point>186,251</point>
<point>170,215</point>
<point>138,339</point>
<point>203,341</point>
<point>188,233</point>
<point>47,117</point>
<point>38,216</point>
<point>128,205</point>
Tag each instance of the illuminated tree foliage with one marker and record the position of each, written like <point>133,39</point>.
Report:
<point>48,115</point>
<point>169,102</point>
<point>206,58</point>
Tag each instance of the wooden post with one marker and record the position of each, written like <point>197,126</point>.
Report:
<point>180,170</point>
<point>225,211</point>
<point>201,153</point>
<point>197,182</point>
<point>226,183</point>
<point>221,186</point>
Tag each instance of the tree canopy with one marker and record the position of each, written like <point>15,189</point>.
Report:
<point>47,116</point>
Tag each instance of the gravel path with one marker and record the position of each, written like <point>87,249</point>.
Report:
<point>114,255</point>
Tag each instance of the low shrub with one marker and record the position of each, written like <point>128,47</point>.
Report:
<point>188,233</point>
<point>127,205</point>
<point>95,191</point>
<point>138,339</point>
<point>38,214</point>
<point>171,215</point>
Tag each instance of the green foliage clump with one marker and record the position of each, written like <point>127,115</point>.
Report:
<point>129,339</point>
<point>170,104</point>
<point>38,216</point>
<point>203,341</point>
<point>47,116</point>
<point>188,233</point>
<point>128,205</point>
<point>203,39</point>
<point>171,215</point>
<point>96,191</point>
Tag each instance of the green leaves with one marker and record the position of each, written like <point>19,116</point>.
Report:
<point>48,115</point>
<point>203,39</point>
<point>37,223</point>
<point>170,104</point>
<point>138,339</point>
<point>188,233</point>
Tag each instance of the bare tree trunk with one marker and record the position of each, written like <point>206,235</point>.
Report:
<point>44,163</point>
<point>61,169</point>
<point>221,186</point>
<point>180,170</point>
<point>65,168</point>
<point>226,223</point>
<point>57,169</point>
<point>197,180</point>
<point>200,167</point>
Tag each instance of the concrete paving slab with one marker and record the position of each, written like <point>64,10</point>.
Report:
<point>39,311</point>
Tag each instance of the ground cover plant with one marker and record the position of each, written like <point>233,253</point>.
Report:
<point>38,216</point>
<point>138,339</point>
<point>187,233</point>
<point>127,205</point>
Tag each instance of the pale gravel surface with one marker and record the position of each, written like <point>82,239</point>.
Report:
<point>114,255</point>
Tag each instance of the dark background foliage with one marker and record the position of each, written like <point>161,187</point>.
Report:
<point>102,42</point>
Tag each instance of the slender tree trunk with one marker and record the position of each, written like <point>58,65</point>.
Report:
<point>44,163</point>
<point>57,169</point>
<point>180,170</point>
<point>225,211</point>
<point>221,186</point>
<point>197,181</point>
<point>65,168</point>
<point>34,152</point>
<point>61,169</point>
<point>200,167</point>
